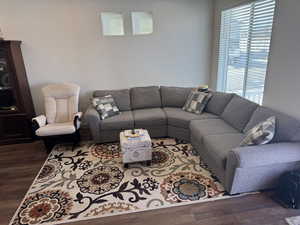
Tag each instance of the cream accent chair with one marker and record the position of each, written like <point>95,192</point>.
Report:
<point>62,120</point>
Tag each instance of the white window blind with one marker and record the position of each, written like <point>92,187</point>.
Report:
<point>244,49</point>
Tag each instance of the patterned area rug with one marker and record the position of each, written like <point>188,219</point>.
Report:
<point>295,220</point>
<point>91,182</point>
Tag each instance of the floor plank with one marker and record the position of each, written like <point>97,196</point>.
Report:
<point>20,163</point>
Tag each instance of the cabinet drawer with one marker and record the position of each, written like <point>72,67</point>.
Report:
<point>13,127</point>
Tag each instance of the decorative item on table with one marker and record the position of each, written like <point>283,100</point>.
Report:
<point>203,88</point>
<point>132,133</point>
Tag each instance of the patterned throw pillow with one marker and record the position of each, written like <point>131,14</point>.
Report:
<point>106,106</point>
<point>196,101</point>
<point>261,134</point>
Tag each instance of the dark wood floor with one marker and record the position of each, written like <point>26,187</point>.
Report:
<point>19,165</point>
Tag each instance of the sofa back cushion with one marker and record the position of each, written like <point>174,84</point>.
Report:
<point>287,129</point>
<point>121,97</point>
<point>218,102</point>
<point>174,96</point>
<point>145,97</point>
<point>238,112</point>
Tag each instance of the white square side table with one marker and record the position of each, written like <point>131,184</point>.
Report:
<point>136,149</point>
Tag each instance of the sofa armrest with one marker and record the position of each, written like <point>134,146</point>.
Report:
<point>93,120</point>
<point>262,155</point>
<point>40,120</point>
<point>78,114</point>
<point>255,167</point>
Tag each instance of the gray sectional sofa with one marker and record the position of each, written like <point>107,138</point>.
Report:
<point>215,134</point>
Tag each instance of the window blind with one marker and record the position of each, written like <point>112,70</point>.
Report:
<point>244,49</point>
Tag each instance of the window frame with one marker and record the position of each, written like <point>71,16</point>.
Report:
<point>223,64</point>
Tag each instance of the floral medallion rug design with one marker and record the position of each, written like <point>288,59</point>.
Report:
<point>90,182</point>
<point>295,220</point>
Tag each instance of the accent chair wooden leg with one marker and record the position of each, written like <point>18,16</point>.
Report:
<point>76,140</point>
<point>49,144</point>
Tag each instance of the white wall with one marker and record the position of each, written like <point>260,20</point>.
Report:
<point>282,87</point>
<point>62,42</point>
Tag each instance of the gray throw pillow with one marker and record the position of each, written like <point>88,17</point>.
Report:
<point>260,134</point>
<point>106,106</point>
<point>196,101</point>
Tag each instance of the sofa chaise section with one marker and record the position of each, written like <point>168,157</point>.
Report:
<point>215,138</point>
<point>255,168</point>
<point>214,151</point>
<point>252,168</point>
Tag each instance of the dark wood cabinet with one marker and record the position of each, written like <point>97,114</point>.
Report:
<point>16,107</point>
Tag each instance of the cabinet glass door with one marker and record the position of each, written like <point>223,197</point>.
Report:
<point>7,95</point>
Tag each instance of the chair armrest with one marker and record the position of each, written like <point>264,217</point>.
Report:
<point>262,155</point>
<point>78,114</point>
<point>40,120</point>
<point>77,120</point>
<point>93,120</point>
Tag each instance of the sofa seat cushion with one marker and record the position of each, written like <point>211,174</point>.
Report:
<point>56,129</point>
<point>122,121</point>
<point>201,128</point>
<point>145,97</point>
<point>238,112</point>
<point>149,117</point>
<point>219,145</point>
<point>121,97</point>
<point>180,118</point>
